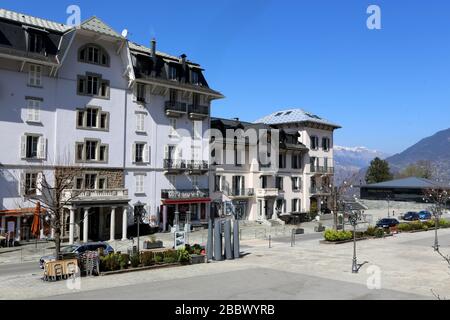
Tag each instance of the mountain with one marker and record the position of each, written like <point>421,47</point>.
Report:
<point>435,149</point>
<point>350,160</point>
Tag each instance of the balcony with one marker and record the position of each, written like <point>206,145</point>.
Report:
<point>241,193</point>
<point>175,109</point>
<point>267,192</point>
<point>198,166</point>
<point>74,195</point>
<point>174,165</point>
<point>184,194</point>
<point>319,191</point>
<point>322,169</point>
<point>198,112</point>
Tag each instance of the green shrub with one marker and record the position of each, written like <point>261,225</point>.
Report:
<point>379,233</point>
<point>430,223</point>
<point>124,259</point>
<point>404,227</point>
<point>444,223</point>
<point>337,235</point>
<point>111,262</point>
<point>184,256</point>
<point>425,227</point>
<point>416,225</point>
<point>147,258</point>
<point>159,257</point>
<point>370,231</point>
<point>135,260</point>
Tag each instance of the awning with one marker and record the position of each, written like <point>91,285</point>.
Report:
<point>186,201</point>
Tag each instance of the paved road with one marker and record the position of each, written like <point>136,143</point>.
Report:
<point>254,283</point>
<point>20,269</point>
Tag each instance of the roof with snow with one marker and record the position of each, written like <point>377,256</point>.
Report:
<point>407,183</point>
<point>293,116</point>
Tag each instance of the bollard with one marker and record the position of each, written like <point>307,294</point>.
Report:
<point>236,239</point>
<point>209,243</point>
<point>270,241</point>
<point>217,240</point>
<point>227,239</point>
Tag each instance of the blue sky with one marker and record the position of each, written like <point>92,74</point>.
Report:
<point>388,88</point>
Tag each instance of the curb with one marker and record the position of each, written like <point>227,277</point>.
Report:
<point>161,266</point>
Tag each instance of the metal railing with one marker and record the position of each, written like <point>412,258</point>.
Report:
<point>175,106</point>
<point>241,192</point>
<point>321,169</point>
<point>198,165</point>
<point>184,193</point>
<point>198,109</point>
<point>93,193</point>
<point>174,164</point>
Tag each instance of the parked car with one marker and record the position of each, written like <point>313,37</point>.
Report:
<point>424,215</point>
<point>76,249</point>
<point>411,216</point>
<point>387,223</point>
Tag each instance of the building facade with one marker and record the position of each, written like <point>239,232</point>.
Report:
<point>127,123</point>
<point>298,177</point>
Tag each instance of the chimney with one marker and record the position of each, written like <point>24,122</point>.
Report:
<point>153,49</point>
<point>236,119</point>
<point>183,66</point>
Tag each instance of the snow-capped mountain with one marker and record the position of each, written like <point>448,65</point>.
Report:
<point>350,160</point>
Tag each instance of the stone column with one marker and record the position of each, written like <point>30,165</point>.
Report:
<point>4,224</point>
<point>71,225</point>
<point>112,225</point>
<point>18,229</point>
<point>263,209</point>
<point>86,224</point>
<point>124,223</point>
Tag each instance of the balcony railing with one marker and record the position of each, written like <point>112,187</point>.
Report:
<point>175,106</point>
<point>198,165</point>
<point>92,194</point>
<point>241,192</point>
<point>319,190</point>
<point>267,192</point>
<point>174,164</point>
<point>174,194</point>
<point>198,109</point>
<point>322,169</point>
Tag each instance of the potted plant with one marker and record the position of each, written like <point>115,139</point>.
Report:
<point>319,228</point>
<point>152,243</point>
<point>197,253</point>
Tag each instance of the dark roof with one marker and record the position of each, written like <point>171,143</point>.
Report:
<point>295,115</point>
<point>406,183</point>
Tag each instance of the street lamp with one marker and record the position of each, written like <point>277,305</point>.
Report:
<point>353,219</point>
<point>388,200</point>
<point>137,216</point>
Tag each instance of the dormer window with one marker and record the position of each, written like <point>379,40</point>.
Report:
<point>172,72</point>
<point>36,43</point>
<point>93,54</point>
<point>194,77</point>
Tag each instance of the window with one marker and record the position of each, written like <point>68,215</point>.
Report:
<point>172,72</point>
<point>36,43</point>
<point>194,79</point>
<point>35,75</point>
<point>30,183</point>
<point>172,180</point>
<point>93,54</point>
<point>92,118</point>
<point>33,146</point>
<point>295,205</point>
<point>93,85</point>
<point>326,144</point>
<point>140,92</point>
<point>296,161</point>
<point>173,95</point>
<point>33,110</point>
<point>139,183</point>
<point>279,183</point>
<point>295,183</point>
<point>194,180</point>
<point>140,153</point>
<point>172,127</point>
<point>102,183</point>
<point>314,142</point>
<point>217,183</point>
<point>90,181</point>
<point>140,121</point>
<point>92,151</point>
<point>282,161</point>
<point>79,183</point>
<point>263,181</point>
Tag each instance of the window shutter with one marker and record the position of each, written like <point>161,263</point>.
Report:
<point>138,122</point>
<point>242,183</point>
<point>147,94</point>
<point>166,152</point>
<point>146,154</point>
<point>22,184</point>
<point>39,184</point>
<point>135,92</point>
<point>180,153</point>
<point>23,147</point>
<point>36,113</point>
<point>133,152</point>
<point>41,148</point>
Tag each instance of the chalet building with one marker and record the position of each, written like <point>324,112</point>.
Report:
<point>86,97</point>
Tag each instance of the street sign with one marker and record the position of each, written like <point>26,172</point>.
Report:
<point>179,239</point>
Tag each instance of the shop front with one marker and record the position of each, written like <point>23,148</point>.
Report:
<point>16,225</point>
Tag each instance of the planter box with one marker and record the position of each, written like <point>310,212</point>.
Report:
<point>130,269</point>
<point>153,245</point>
<point>198,258</point>
<point>351,240</point>
<point>319,229</point>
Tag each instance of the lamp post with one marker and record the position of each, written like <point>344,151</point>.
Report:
<point>388,201</point>
<point>137,216</point>
<point>353,219</point>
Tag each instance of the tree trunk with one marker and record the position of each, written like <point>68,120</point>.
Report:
<point>57,241</point>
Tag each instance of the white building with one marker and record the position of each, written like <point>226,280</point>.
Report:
<point>299,182</point>
<point>88,98</point>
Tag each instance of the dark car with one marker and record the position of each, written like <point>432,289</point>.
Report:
<point>76,249</point>
<point>411,216</point>
<point>387,223</point>
<point>424,215</point>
